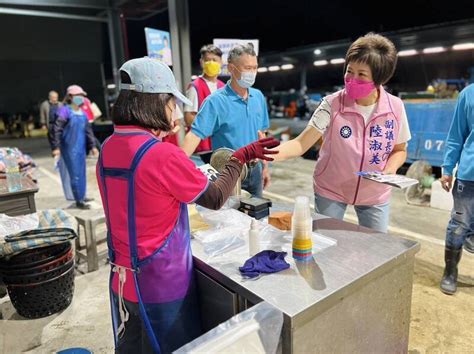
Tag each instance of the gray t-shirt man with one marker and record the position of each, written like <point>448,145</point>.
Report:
<point>46,108</point>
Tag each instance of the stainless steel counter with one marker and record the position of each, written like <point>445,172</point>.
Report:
<point>354,296</point>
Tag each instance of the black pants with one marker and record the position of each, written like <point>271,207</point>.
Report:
<point>135,338</point>
<point>182,322</point>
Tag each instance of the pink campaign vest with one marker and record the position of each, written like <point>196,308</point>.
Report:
<point>203,91</point>
<point>351,146</point>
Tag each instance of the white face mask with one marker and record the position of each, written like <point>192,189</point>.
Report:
<point>174,118</point>
<point>247,78</point>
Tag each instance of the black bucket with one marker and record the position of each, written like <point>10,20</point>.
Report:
<point>34,257</point>
<point>38,277</point>
<point>44,298</point>
<point>40,282</point>
<point>43,267</point>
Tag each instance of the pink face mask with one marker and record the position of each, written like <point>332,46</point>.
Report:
<point>357,89</point>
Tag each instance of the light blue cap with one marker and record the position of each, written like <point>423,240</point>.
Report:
<point>151,76</point>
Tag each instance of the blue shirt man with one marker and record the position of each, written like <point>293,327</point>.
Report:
<point>230,120</point>
<point>234,115</point>
<point>459,151</point>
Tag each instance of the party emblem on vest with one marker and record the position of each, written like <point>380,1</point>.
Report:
<point>345,132</point>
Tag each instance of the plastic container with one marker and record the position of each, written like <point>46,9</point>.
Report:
<point>254,244</point>
<point>44,298</point>
<point>302,230</point>
<point>12,172</point>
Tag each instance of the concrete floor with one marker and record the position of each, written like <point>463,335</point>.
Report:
<point>439,323</point>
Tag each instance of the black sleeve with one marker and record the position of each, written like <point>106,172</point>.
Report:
<point>56,132</point>
<point>217,193</point>
<point>90,137</point>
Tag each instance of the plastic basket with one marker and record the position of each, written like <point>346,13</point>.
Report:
<point>45,298</point>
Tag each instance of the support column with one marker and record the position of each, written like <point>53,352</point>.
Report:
<point>178,13</point>
<point>117,52</point>
<point>181,51</point>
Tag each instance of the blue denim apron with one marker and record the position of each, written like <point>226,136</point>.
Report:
<point>164,281</point>
<point>73,156</point>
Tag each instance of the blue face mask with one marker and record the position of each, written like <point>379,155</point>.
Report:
<point>78,100</point>
<point>247,78</point>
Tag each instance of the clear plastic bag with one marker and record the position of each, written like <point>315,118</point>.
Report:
<point>10,225</point>
<point>228,230</point>
<point>254,331</point>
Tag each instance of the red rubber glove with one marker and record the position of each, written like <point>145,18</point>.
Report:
<point>257,150</point>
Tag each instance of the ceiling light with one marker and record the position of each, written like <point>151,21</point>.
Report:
<point>274,68</point>
<point>337,61</point>
<point>317,51</point>
<point>262,69</point>
<point>320,62</point>
<point>463,46</point>
<point>287,66</point>
<point>111,86</point>
<point>407,53</point>
<point>433,50</point>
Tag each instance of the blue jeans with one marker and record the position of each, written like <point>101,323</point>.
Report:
<point>462,215</point>
<point>254,181</point>
<point>371,216</point>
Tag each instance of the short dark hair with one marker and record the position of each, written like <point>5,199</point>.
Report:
<point>378,52</point>
<point>210,49</point>
<point>147,110</point>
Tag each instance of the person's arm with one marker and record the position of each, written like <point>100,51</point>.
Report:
<point>204,125</point>
<point>57,130</point>
<point>189,118</point>
<point>191,141</point>
<point>317,125</point>
<point>266,175</point>
<point>457,135</point>
<point>44,114</point>
<point>90,137</point>
<point>217,192</point>
<point>298,146</point>
<point>396,158</point>
<point>191,111</point>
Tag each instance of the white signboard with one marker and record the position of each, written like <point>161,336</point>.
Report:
<point>227,44</point>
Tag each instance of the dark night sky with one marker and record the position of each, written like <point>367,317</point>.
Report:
<point>282,24</point>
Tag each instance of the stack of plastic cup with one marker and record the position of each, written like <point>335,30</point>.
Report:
<point>302,229</point>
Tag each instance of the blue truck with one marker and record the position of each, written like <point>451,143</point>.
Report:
<point>429,122</point>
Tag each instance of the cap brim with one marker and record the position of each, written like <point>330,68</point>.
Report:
<point>182,98</point>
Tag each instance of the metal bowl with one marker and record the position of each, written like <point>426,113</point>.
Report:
<point>220,157</point>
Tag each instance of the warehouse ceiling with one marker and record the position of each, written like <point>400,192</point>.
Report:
<point>131,9</point>
<point>417,38</point>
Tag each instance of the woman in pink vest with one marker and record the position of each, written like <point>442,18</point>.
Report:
<point>364,128</point>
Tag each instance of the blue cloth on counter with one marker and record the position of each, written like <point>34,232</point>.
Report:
<point>264,262</point>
